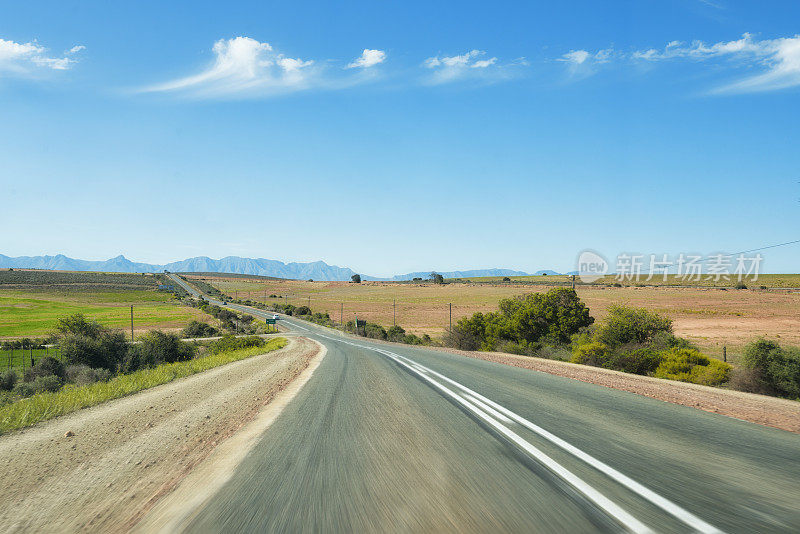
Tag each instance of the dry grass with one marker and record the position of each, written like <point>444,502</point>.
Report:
<point>711,318</point>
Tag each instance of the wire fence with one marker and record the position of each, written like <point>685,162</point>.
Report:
<point>21,359</point>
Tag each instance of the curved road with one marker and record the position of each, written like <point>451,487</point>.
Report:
<point>387,438</point>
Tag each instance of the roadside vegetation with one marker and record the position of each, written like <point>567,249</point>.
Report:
<point>89,353</point>
<point>48,404</point>
<point>557,325</point>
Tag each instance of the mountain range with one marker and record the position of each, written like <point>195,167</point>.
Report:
<point>316,270</point>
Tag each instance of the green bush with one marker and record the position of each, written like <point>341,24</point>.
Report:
<point>156,348</point>
<point>689,365</point>
<point>8,380</point>
<point>82,375</point>
<point>593,353</point>
<point>44,384</point>
<point>199,329</point>
<point>631,325</point>
<point>302,310</point>
<point>23,389</point>
<point>551,318</point>
<point>108,350</point>
<point>396,333</point>
<point>778,368</point>
<point>374,331</point>
<point>642,361</point>
<point>47,366</point>
<point>230,343</point>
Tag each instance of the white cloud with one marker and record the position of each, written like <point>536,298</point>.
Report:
<point>244,66</point>
<point>779,60</point>
<point>369,58</point>
<point>446,69</point>
<point>584,57</point>
<point>26,58</point>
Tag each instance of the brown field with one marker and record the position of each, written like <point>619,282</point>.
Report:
<point>711,318</point>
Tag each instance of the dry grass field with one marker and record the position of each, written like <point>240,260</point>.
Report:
<point>710,317</point>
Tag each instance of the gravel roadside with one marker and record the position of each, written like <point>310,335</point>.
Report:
<point>101,468</point>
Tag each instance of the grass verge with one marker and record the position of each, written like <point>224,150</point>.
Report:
<point>44,406</point>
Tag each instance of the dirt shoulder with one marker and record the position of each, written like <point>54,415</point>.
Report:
<point>100,469</point>
<point>761,409</point>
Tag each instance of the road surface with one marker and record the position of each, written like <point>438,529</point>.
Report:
<point>387,437</point>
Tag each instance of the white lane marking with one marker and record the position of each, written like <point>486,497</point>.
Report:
<point>485,413</point>
<point>491,416</point>
<point>665,504</point>
<point>668,506</point>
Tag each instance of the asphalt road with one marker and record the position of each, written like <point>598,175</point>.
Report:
<point>388,438</point>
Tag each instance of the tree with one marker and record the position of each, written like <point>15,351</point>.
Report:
<point>356,278</point>
<point>506,279</point>
<point>437,278</point>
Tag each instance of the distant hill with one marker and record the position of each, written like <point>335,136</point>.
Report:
<point>316,270</point>
<point>454,274</point>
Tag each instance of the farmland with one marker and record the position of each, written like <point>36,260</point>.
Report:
<point>32,301</point>
<point>709,317</point>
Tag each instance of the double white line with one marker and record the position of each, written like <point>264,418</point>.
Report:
<point>501,419</point>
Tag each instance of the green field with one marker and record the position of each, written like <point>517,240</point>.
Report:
<point>34,313</point>
<point>32,301</point>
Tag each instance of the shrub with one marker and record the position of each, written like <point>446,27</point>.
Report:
<point>78,325</point>
<point>411,339</point>
<point>46,383</point>
<point>741,285</point>
<point>23,389</point>
<point>302,310</point>
<point>374,331</point>
<point>230,342</point>
<point>156,348</point>
<point>199,329</point>
<point>642,361</point>
<point>777,368</point>
<point>689,365</point>
<point>396,333</point>
<point>47,366</point>
<point>82,375</point>
<point>8,380</point>
<point>631,325</point>
<point>748,380</point>
<point>593,353</point>
<point>108,350</point>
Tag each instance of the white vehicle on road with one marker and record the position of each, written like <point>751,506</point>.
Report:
<point>275,316</point>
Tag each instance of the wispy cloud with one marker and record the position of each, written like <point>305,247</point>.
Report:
<point>246,67</point>
<point>470,65</point>
<point>778,60</point>
<point>369,58</point>
<point>28,58</point>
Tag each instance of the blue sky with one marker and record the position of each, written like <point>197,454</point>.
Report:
<point>392,137</point>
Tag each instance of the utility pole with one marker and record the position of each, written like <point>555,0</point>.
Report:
<point>309,301</point>
<point>451,316</point>
<point>394,312</point>
<point>131,323</point>
<point>341,314</point>
<point>724,354</point>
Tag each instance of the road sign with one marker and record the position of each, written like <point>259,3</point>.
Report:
<point>270,321</point>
